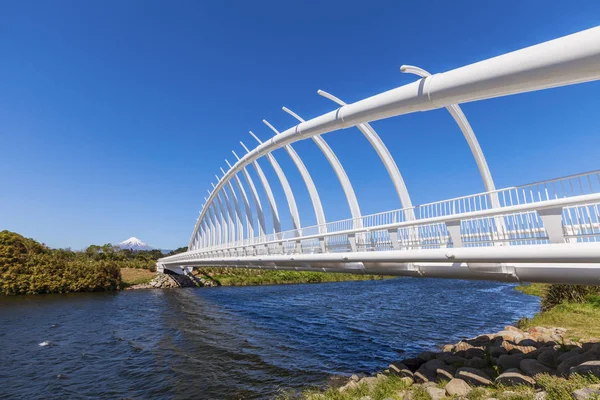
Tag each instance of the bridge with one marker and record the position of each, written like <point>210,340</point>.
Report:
<point>542,232</point>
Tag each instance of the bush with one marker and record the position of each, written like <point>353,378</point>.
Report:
<point>557,294</point>
<point>28,267</point>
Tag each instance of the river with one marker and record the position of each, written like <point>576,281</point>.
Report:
<point>235,342</point>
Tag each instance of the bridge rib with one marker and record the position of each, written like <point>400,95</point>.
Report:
<point>339,170</point>
<point>308,181</point>
<point>223,220</point>
<point>567,60</point>
<point>467,131</point>
<point>268,191</point>
<point>238,211</point>
<point>384,155</point>
<point>247,208</point>
<point>231,215</point>
<point>262,228</point>
<point>287,189</point>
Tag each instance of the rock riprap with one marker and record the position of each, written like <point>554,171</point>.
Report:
<point>172,281</point>
<point>509,358</point>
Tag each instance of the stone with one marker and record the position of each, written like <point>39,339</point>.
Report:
<point>400,369</point>
<point>522,349</point>
<point>454,360</point>
<point>427,355</point>
<point>462,346</point>
<point>474,352</point>
<point>533,367</point>
<point>586,393</point>
<point>476,362</point>
<point>445,373</point>
<point>510,361</point>
<point>457,387</point>
<point>569,354</point>
<point>350,385</point>
<point>587,346</point>
<point>433,365</point>
<point>355,378</point>
<point>587,368</point>
<point>529,343</point>
<point>548,357</point>
<point>412,364</point>
<point>473,377</point>
<point>564,367</point>
<point>408,381</point>
<point>424,376</point>
<point>540,395</point>
<point>510,335</point>
<point>369,381</point>
<point>449,348</point>
<point>514,379</point>
<point>498,351</point>
<point>435,393</point>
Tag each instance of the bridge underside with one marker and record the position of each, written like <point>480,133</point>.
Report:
<point>550,263</point>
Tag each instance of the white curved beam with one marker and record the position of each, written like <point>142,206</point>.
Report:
<point>310,185</point>
<point>230,214</point>
<point>564,61</point>
<point>216,226</point>
<point>262,229</point>
<point>268,191</point>
<point>339,170</point>
<point>287,189</point>
<point>385,156</point>
<point>223,220</point>
<point>468,133</point>
<point>238,211</point>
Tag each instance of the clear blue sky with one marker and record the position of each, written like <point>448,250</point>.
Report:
<point>115,115</point>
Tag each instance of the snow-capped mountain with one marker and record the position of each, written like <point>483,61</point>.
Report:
<point>134,244</point>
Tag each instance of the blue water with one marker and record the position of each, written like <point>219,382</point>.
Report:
<point>242,342</point>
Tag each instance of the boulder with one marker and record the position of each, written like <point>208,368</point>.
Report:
<point>454,360</point>
<point>433,365</point>
<point>424,376</point>
<point>565,356</point>
<point>586,393</point>
<point>350,385</point>
<point>474,352</point>
<point>529,343</point>
<point>587,346</point>
<point>498,351</point>
<point>514,379</point>
<point>540,395</point>
<point>427,355</point>
<point>448,348</point>
<point>510,361</point>
<point>548,357</point>
<point>457,387</point>
<point>400,369</point>
<point>476,362</point>
<point>412,364</point>
<point>369,381</point>
<point>473,376</point>
<point>462,346</point>
<point>445,373</point>
<point>564,367</point>
<point>408,381</point>
<point>587,368</point>
<point>513,336</point>
<point>435,393</point>
<point>533,367</point>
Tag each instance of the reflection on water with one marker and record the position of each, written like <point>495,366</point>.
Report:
<point>246,342</point>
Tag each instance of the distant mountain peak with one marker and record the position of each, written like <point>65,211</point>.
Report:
<point>134,243</point>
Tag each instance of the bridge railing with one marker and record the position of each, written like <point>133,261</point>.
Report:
<point>516,220</point>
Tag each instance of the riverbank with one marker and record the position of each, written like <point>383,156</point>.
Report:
<point>553,356</point>
<point>536,364</point>
<point>207,277</point>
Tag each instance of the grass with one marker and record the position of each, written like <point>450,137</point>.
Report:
<point>394,388</point>
<point>251,277</point>
<point>533,289</point>
<point>135,276</point>
<point>582,320</point>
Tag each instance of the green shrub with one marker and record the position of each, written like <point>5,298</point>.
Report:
<point>557,294</point>
<point>28,267</point>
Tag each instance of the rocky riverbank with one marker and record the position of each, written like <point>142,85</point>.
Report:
<point>172,281</point>
<point>536,364</point>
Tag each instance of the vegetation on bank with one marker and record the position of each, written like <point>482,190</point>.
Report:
<point>397,388</point>
<point>574,307</point>
<point>250,277</point>
<point>28,267</point>
<point>135,276</point>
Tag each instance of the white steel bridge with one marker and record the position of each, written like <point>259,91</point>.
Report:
<point>544,232</point>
